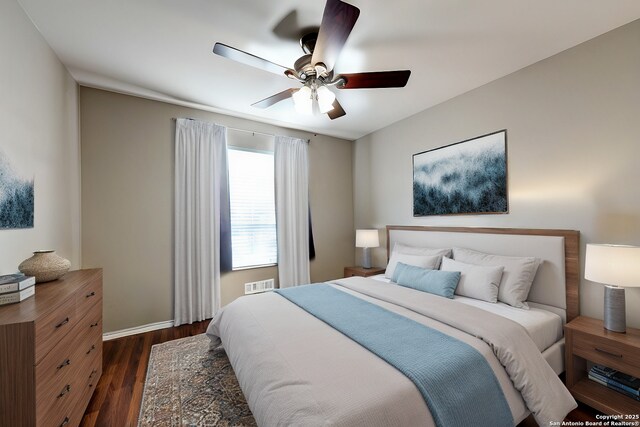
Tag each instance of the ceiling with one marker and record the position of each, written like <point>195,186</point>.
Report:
<point>162,49</point>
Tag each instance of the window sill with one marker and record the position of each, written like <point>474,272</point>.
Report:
<point>252,267</point>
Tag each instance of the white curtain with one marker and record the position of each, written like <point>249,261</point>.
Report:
<point>200,168</point>
<point>292,210</point>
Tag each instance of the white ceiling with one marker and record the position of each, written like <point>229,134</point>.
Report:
<point>162,49</point>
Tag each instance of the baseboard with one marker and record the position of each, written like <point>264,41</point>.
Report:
<point>137,330</point>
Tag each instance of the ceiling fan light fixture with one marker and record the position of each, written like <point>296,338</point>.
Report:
<point>315,69</point>
<point>303,100</point>
<point>325,99</point>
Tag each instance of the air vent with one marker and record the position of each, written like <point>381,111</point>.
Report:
<point>259,286</point>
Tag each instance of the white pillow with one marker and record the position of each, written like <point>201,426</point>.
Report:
<point>476,281</point>
<point>517,276</point>
<point>415,250</point>
<point>424,261</point>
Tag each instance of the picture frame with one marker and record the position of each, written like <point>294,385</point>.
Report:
<point>16,195</point>
<point>465,178</point>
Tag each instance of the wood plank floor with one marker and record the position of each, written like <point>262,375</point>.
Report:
<point>116,401</point>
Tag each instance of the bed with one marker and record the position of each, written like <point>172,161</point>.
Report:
<point>296,369</point>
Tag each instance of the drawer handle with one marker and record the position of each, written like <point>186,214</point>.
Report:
<point>65,390</point>
<point>95,371</point>
<point>65,422</point>
<point>91,294</point>
<point>65,363</point>
<point>65,321</point>
<point>93,325</point>
<point>608,352</point>
<point>93,347</point>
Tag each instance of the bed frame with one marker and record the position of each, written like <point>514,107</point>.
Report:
<point>566,257</point>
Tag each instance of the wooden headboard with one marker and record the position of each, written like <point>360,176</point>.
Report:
<point>570,238</point>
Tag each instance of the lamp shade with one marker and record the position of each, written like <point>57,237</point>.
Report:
<point>325,99</point>
<point>303,100</point>
<point>613,265</point>
<point>367,239</point>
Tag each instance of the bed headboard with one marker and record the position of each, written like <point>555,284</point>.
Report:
<point>556,285</point>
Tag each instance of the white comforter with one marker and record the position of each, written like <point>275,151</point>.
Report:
<point>296,370</point>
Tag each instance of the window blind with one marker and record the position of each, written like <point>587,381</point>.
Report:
<point>252,203</point>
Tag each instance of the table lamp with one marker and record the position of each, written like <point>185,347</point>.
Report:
<point>617,267</point>
<point>367,239</point>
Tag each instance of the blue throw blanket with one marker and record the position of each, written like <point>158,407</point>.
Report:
<point>454,379</point>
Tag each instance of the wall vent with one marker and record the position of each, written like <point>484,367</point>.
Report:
<point>259,286</point>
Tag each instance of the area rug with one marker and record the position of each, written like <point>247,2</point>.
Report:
<point>189,384</point>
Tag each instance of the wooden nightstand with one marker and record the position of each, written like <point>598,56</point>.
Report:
<point>361,271</point>
<point>588,341</point>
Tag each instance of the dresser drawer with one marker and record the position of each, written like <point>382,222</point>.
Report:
<point>68,365</point>
<point>64,399</point>
<point>75,390</point>
<point>51,329</point>
<point>55,372</point>
<point>607,352</point>
<point>84,383</point>
<point>64,419</point>
<point>88,347</point>
<point>60,375</point>
<point>91,372</point>
<point>89,295</point>
<point>87,379</point>
<point>91,323</point>
<point>74,417</point>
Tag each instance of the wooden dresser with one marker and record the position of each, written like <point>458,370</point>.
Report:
<point>51,352</point>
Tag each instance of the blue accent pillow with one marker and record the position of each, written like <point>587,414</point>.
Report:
<point>435,282</point>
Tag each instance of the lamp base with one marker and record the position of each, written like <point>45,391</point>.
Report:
<point>614,309</point>
<point>366,258</point>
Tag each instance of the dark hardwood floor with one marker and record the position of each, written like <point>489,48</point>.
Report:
<point>116,401</point>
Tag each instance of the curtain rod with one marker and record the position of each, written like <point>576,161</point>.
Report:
<point>244,130</point>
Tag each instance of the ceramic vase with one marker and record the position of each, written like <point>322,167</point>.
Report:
<point>45,266</point>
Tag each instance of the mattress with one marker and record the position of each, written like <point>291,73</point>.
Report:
<point>544,327</point>
<point>294,369</point>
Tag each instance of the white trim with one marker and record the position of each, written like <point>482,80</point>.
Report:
<point>137,330</point>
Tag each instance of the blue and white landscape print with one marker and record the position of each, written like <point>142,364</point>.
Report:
<point>16,197</point>
<point>463,178</point>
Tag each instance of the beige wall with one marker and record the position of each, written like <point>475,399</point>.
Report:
<point>127,203</point>
<point>39,122</point>
<point>573,125</point>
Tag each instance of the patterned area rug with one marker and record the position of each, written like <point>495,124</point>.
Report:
<point>188,384</point>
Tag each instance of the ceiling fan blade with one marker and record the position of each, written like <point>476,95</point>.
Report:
<point>337,111</point>
<point>337,22</point>
<point>274,99</point>
<point>373,80</point>
<point>249,59</point>
<point>289,28</point>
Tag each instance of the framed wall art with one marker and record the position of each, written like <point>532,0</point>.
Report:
<point>468,177</point>
<point>16,196</point>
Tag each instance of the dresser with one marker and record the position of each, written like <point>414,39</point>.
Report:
<point>51,352</point>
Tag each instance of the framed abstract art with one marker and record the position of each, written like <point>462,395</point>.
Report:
<point>468,177</point>
<point>16,196</point>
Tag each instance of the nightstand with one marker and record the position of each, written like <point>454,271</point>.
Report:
<point>587,341</point>
<point>361,271</point>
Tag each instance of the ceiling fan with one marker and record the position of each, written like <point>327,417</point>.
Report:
<point>315,68</point>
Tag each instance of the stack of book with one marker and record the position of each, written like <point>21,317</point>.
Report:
<point>16,288</point>
<point>615,380</point>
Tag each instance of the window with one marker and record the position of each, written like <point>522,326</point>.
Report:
<point>253,213</point>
